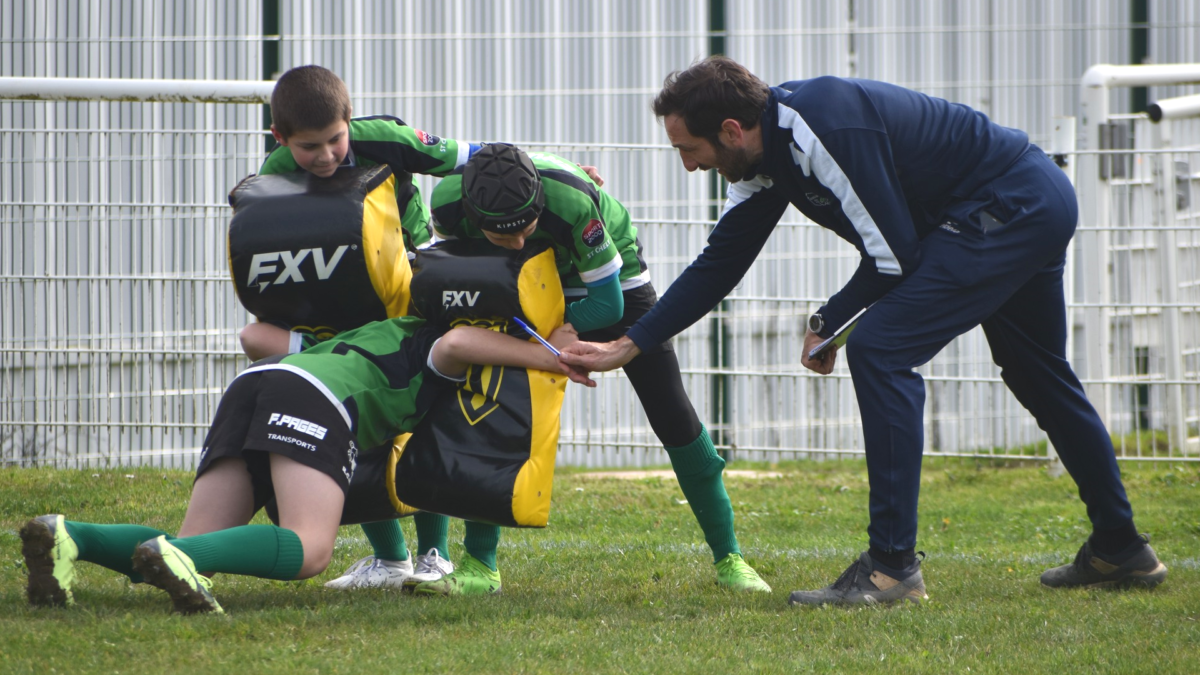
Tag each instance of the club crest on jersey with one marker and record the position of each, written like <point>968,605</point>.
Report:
<point>817,200</point>
<point>593,234</point>
<point>479,395</point>
<point>427,138</point>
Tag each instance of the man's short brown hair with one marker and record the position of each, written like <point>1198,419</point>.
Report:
<point>710,92</point>
<point>307,98</point>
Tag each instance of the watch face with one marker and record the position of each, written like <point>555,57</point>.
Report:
<point>816,323</point>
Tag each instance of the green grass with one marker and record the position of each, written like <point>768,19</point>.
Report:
<point>621,582</point>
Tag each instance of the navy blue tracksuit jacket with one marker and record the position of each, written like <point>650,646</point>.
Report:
<point>959,222</point>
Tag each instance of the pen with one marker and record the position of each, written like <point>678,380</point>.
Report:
<point>539,338</point>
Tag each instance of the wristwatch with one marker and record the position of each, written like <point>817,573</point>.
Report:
<point>816,323</point>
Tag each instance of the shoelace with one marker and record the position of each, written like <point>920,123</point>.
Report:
<point>848,577</point>
<point>368,561</point>
<point>1085,554</point>
<point>430,562</point>
<point>473,568</point>
<point>742,570</point>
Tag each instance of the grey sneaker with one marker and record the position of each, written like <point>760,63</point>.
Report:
<point>1135,566</point>
<point>864,583</point>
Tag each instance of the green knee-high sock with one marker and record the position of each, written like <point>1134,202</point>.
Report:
<point>264,551</point>
<point>111,546</point>
<point>387,539</point>
<point>432,529</point>
<point>698,468</point>
<point>481,541</point>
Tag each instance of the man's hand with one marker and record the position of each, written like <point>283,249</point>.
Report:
<point>823,364</point>
<point>599,356</point>
<point>563,337</point>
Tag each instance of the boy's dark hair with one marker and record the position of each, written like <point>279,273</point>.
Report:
<point>710,92</point>
<point>308,97</point>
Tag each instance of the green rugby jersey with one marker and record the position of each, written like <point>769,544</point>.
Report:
<point>382,139</point>
<point>590,230</point>
<point>377,376</point>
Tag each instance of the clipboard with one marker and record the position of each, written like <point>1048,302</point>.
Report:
<point>838,339</point>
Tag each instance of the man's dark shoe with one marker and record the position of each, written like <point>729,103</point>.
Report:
<point>866,582</point>
<point>1135,566</point>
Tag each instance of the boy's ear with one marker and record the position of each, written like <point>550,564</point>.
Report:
<point>278,136</point>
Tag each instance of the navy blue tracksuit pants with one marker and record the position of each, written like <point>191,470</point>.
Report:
<point>1006,273</point>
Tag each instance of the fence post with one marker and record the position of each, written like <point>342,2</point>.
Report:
<point>1093,243</point>
<point>1168,251</point>
<point>1062,150</point>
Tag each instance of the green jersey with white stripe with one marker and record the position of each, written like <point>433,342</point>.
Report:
<point>378,376</point>
<point>591,231</point>
<point>388,140</point>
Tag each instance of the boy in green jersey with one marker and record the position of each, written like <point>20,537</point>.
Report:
<point>290,428</point>
<point>311,115</point>
<point>311,121</point>
<point>507,196</point>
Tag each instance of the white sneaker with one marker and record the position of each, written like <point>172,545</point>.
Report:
<point>372,572</point>
<point>430,567</point>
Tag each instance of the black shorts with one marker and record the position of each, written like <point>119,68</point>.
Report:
<point>638,301</point>
<point>275,411</point>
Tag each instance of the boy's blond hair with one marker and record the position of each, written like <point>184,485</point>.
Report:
<point>306,98</point>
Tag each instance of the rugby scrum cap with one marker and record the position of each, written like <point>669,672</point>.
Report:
<point>502,191</point>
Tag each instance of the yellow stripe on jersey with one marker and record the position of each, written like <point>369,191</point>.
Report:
<point>383,248</point>
<point>398,445</point>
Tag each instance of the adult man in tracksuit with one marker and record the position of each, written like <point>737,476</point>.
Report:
<point>959,222</point>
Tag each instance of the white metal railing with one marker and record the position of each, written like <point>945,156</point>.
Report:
<point>117,324</point>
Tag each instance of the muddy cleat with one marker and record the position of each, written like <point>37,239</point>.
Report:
<point>170,569</point>
<point>50,555</point>
<point>867,582</point>
<point>1135,566</point>
<point>430,567</point>
<point>734,573</point>
<point>472,577</point>
<point>372,572</point>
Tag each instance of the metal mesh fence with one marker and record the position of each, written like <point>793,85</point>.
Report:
<point>117,317</point>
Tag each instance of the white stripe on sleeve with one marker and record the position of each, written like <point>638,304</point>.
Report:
<point>831,175</point>
<point>744,189</point>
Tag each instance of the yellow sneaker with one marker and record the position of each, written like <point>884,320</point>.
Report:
<point>735,573</point>
<point>50,556</point>
<point>170,569</point>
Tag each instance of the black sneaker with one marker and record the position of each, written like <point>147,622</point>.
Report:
<point>866,582</point>
<point>1135,566</point>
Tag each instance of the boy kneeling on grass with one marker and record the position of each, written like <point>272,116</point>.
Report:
<point>288,427</point>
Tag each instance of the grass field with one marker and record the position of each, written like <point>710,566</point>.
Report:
<point>622,582</point>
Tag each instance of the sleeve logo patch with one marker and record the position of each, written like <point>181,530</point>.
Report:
<point>427,138</point>
<point>593,234</point>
